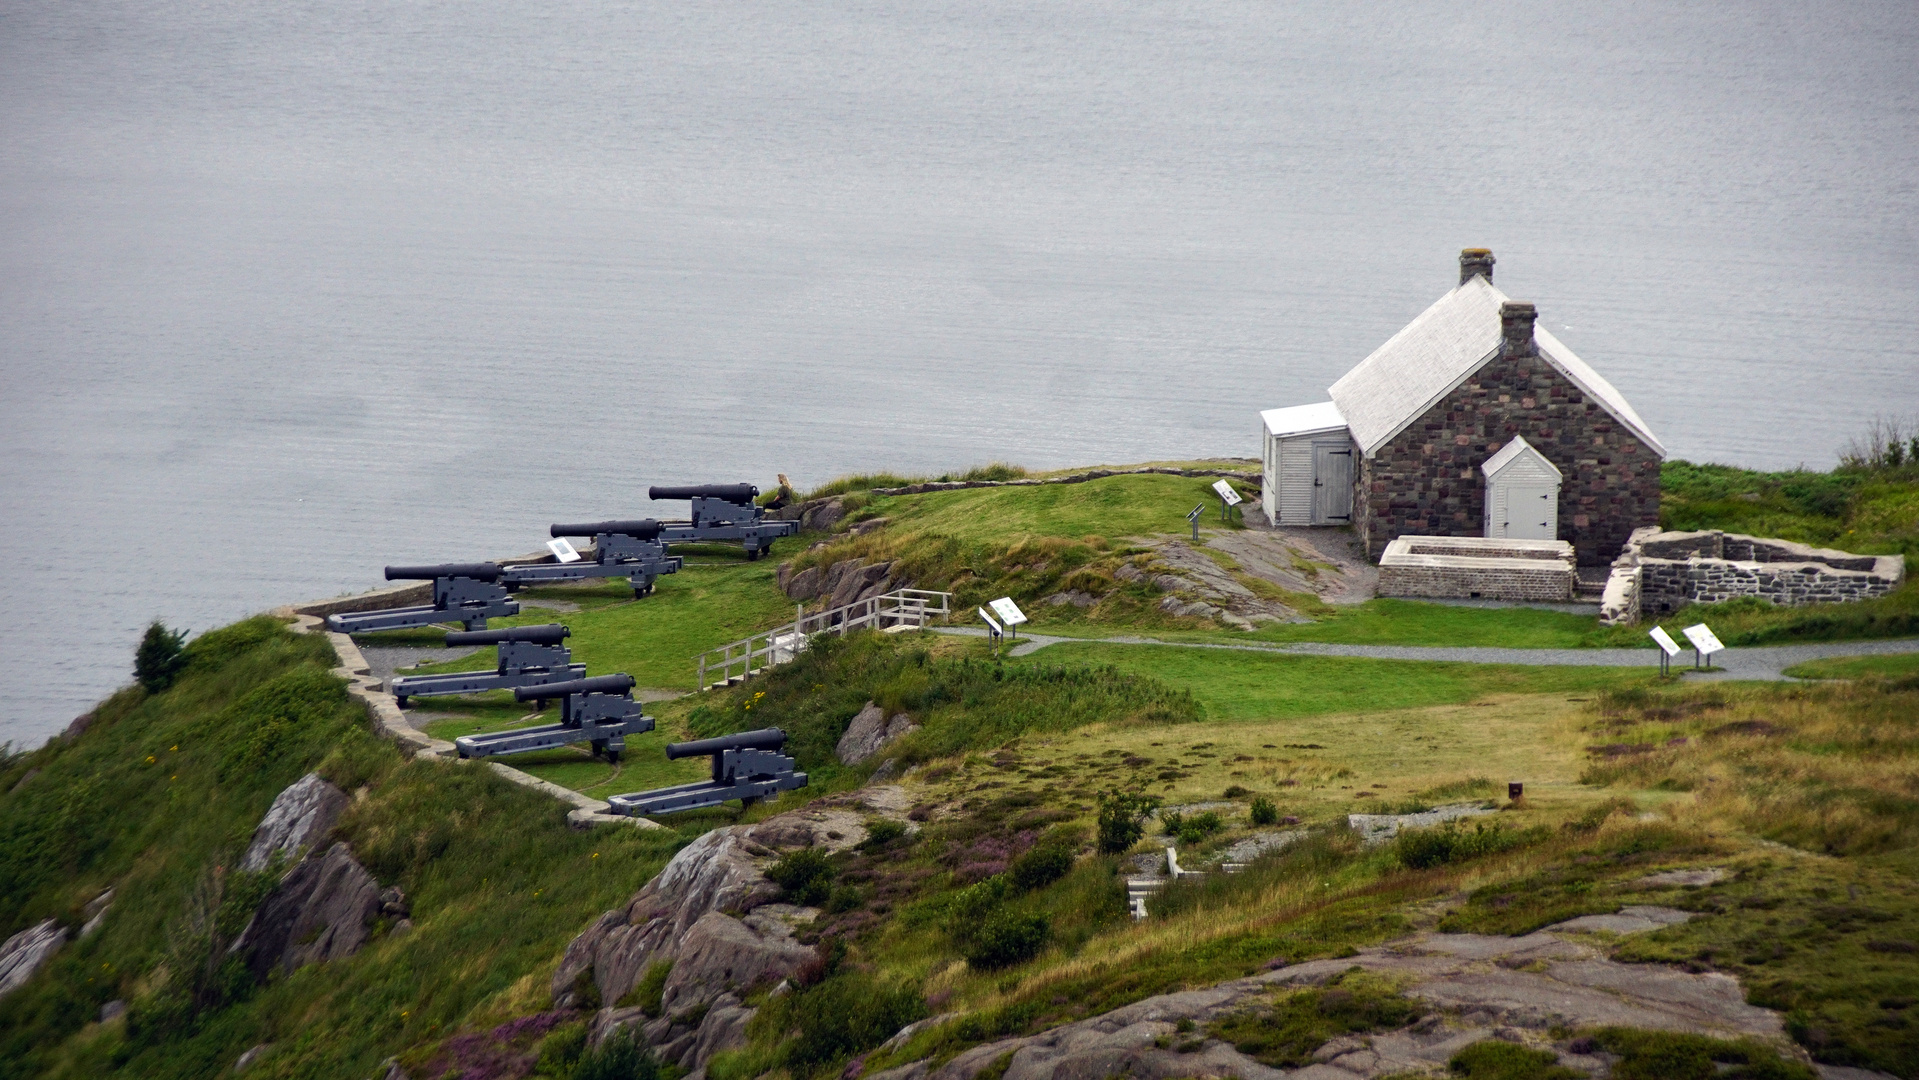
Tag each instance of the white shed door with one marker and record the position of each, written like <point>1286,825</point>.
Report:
<point>1332,483</point>
<point>1525,511</point>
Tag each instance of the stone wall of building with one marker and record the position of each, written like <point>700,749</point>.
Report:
<point>1660,572</point>
<point>1426,480</point>
<point>1458,568</point>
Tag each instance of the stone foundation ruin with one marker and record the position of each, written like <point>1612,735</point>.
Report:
<point>1661,572</point>
<point>1472,567</point>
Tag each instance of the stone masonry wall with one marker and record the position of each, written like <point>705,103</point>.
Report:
<point>1427,481</point>
<point>1660,572</point>
<point>1548,583</point>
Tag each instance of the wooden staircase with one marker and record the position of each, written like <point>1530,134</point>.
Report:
<point>738,661</point>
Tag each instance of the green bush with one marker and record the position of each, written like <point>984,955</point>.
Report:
<point>621,1057</point>
<point>161,657</point>
<point>650,992</point>
<point>1007,938</point>
<point>1264,812</point>
<point>1667,1055</point>
<point>1423,849</point>
<point>841,1016</point>
<point>1491,1059</point>
<point>882,832</point>
<point>1122,815</point>
<point>1041,866</point>
<point>1198,827</point>
<point>560,1050</point>
<point>1299,1023</point>
<point>805,877</point>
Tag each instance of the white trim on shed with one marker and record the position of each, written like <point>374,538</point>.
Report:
<point>1297,446</point>
<point>1522,493</point>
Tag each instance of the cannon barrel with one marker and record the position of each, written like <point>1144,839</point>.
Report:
<point>484,571</point>
<point>741,494</point>
<point>764,739</point>
<point>549,634</point>
<point>639,529</point>
<point>598,684</point>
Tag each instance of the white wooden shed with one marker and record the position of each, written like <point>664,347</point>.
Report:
<point>1308,458</point>
<point>1522,494</point>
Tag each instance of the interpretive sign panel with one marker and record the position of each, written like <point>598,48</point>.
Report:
<point>1702,639</point>
<point>997,629</point>
<point>1664,640</point>
<point>562,550</point>
<point>1008,612</point>
<point>1226,492</point>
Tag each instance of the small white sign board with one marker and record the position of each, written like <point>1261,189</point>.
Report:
<point>1664,640</point>
<point>1702,639</point>
<point>1008,612</point>
<point>562,550</point>
<point>998,630</point>
<point>1226,492</point>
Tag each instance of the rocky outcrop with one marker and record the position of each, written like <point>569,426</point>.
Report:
<point>870,730</point>
<point>27,952</point>
<point>845,582</point>
<point>299,817</point>
<point>814,515</point>
<point>1533,990</point>
<point>713,914</point>
<point>320,911</point>
<point>95,913</point>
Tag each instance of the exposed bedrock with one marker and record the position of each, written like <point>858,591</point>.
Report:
<point>871,730</point>
<point>27,951</point>
<point>298,819</point>
<point>713,914</point>
<point>320,911</point>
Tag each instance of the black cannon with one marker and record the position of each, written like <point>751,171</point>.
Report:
<point>747,766</point>
<point>600,710</point>
<point>529,656</point>
<point>468,593</point>
<point>723,512</point>
<point>628,549</point>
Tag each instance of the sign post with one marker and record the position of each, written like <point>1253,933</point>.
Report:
<point>1193,519</point>
<point>1228,498</point>
<point>1009,613</point>
<point>992,629</point>
<point>1668,648</point>
<point>562,550</point>
<point>1704,644</point>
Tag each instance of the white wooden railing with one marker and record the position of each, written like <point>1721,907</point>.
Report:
<point>741,660</point>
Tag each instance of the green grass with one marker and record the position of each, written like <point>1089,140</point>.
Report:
<point>1233,684</point>
<point>1410,622</point>
<point>1901,666</point>
<point>1114,508</point>
<point>1865,511</point>
<point>161,790</point>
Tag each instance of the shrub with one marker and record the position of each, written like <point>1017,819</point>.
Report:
<point>620,1057</point>
<point>1423,849</point>
<point>1237,791</point>
<point>1491,1059</point>
<point>881,832</point>
<point>1199,827</point>
<point>847,1013</point>
<point>160,658</point>
<point>1041,866</point>
<point>805,876</point>
<point>1667,1055</point>
<point>561,1050</point>
<point>1301,1022</point>
<point>1264,812</point>
<point>1121,818</point>
<point>650,992</point>
<point>1005,939</point>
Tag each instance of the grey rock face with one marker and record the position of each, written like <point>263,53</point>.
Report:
<point>710,911</point>
<point>252,1055</point>
<point>112,1010</point>
<point>318,912</point>
<point>96,913</point>
<point>869,731</point>
<point>1079,598</point>
<point>801,586</point>
<point>299,817</point>
<point>27,951</point>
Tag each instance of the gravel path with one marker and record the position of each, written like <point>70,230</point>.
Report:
<point>1751,662</point>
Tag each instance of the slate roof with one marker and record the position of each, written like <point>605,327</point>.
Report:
<point>1436,352</point>
<point>1300,419</point>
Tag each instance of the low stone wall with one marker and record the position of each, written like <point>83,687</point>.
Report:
<point>1465,568</point>
<point>1661,572</point>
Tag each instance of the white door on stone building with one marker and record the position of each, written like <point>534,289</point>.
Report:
<point>1332,483</point>
<point>1522,494</point>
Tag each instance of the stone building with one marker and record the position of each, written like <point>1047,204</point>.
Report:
<point>1425,419</point>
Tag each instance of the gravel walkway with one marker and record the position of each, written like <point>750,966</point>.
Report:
<point>1751,662</point>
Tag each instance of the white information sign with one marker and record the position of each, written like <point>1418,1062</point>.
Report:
<point>562,550</point>
<point>1665,641</point>
<point>1226,492</point>
<point>1702,639</point>
<point>1008,612</point>
<point>998,631</point>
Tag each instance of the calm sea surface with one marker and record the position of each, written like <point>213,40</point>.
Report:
<point>289,291</point>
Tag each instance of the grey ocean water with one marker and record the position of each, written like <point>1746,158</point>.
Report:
<point>289,291</point>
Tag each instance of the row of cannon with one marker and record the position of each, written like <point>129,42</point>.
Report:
<point>535,663</point>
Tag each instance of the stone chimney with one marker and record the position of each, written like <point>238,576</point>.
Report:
<point>1475,261</point>
<point>1516,318</point>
